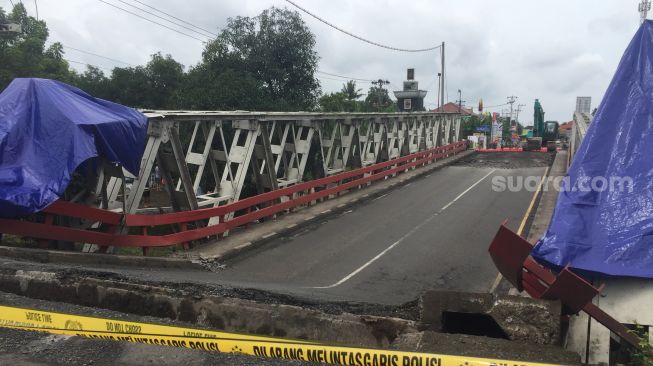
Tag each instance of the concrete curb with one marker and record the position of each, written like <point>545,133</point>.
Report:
<point>54,256</point>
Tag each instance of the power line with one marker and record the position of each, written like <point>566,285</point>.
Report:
<point>344,77</point>
<point>359,37</point>
<point>328,78</point>
<point>174,17</point>
<point>96,55</point>
<point>494,106</point>
<point>152,21</point>
<point>84,63</point>
<point>164,19</point>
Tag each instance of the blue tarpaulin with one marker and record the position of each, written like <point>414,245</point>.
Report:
<point>608,228</point>
<point>47,129</point>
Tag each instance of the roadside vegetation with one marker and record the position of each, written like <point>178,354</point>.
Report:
<point>262,63</point>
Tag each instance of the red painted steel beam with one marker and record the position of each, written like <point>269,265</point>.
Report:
<point>71,209</point>
<point>52,232</point>
<point>612,324</point>
<point>539,282</point>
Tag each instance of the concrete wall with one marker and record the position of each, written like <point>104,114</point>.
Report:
<point>629,300</point>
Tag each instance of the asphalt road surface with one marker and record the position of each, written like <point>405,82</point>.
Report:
<point>430,234</point>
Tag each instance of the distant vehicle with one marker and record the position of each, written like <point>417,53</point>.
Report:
<point>544,133</point>
<point>550,135</point>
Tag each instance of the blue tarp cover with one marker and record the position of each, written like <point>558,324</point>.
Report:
<point>47,129</point>
<point>611,230</point>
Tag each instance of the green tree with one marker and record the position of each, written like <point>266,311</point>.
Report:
<point>165,76</point>
<point>94,82</point>
<point>24,54</point>
<point>338,102</point>
<point>471,123</point>
<point>129,86</point>
<point>264,62</point>
<point>208,87</point>
<point>154,85</point>
<point>350,90</point>
<point>378,100</point>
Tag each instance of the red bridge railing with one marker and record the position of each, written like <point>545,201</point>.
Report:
<point>118,229</point>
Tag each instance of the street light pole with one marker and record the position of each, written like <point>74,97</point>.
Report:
<point>438,101</point>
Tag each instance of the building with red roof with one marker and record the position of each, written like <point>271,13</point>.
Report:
<point>452,107</point>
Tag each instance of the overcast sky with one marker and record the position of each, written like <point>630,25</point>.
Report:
<point>553,50</point>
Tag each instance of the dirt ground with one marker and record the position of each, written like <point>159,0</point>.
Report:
<point>508,160</point>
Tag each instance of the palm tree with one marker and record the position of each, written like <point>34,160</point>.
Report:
<point>350,91</point>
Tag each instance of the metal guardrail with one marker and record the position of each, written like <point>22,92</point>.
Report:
<point>133,230</point>
<point>578,131</point>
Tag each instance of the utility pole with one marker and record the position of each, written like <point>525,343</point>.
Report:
<point>644,7</point>
<point>442,78</point>
<point>519,110</point>
<point>380,83</point>
<point>460,102</point>
<point>511,100</point>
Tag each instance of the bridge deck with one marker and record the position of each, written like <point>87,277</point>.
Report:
<point>432,233</point>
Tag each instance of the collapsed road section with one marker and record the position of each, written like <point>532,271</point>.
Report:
<point>412,328</point>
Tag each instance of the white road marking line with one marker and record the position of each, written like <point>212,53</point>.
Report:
<point>379,197</point>
<point>244,245</point>
<point>291,226</point>
<point>269,235</point>
<point>326,211</point>
<point>467,190</point>
<point>405,236</point>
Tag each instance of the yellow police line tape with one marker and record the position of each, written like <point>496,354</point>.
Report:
<point>202,339</point>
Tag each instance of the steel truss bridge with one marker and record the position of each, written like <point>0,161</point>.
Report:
<point>227,149</point>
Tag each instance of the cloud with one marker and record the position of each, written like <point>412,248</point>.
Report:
<point>553,50</point>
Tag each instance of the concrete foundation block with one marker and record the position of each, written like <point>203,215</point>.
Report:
<point>520,318</point>
<point>483,347</point>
